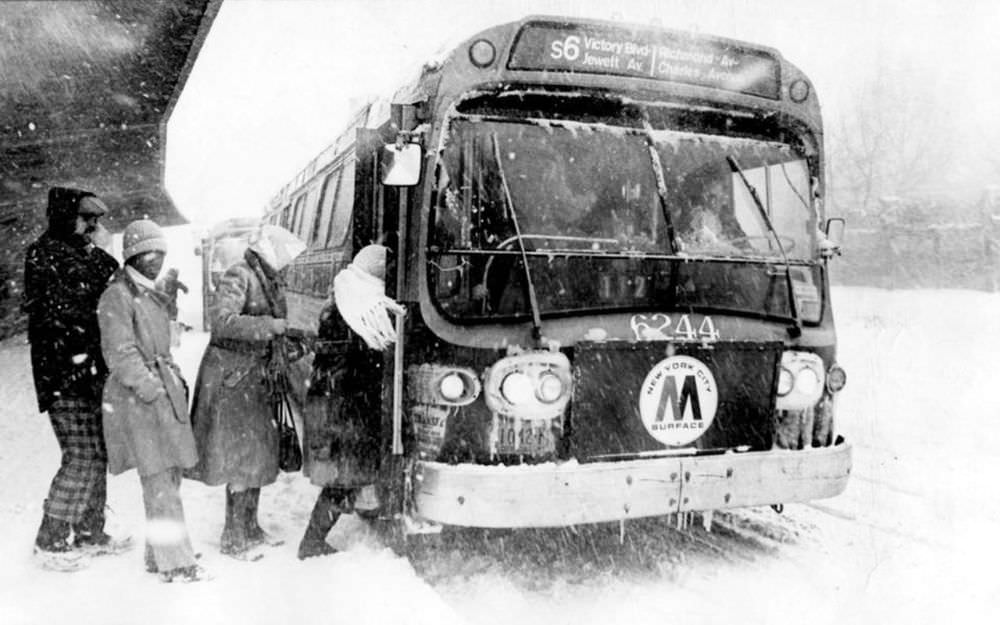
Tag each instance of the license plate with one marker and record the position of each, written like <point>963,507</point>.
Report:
<point>527,437</point>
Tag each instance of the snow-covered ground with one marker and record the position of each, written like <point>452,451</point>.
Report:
<point>914,539</point>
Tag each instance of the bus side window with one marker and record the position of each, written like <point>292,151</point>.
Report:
<point>343,207</point>
<point>321,224</point>
<point>309,206</point>
<point>293,226</point>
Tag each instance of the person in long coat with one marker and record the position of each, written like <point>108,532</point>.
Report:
<point>64,275</point>
<point>146,422</point>
<point>232,414</point>
<point>341,417</point>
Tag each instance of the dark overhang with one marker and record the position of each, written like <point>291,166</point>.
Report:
<point>86,90</point>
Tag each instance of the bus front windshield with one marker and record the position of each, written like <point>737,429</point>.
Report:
<point>583,203</point>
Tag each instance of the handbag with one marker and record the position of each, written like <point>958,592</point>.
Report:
<point>289,449</point>
<point>276,374</point>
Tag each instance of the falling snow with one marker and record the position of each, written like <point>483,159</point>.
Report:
<point>914,515</point>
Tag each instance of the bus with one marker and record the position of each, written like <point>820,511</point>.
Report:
<point>611,244</point>
<point>221,247</point>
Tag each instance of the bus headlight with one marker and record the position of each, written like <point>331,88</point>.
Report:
<point>550,387</point>
<point>442,385</point>
<point>517,388</point>
<point>800,380</point>
<point>529,385</point>
<point>452,387</point>
<point>807,381</point>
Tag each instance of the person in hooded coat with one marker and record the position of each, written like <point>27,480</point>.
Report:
<point>146,424</point>
<point>64,275</point>
<point>341,419</point>
<point>232,411</point>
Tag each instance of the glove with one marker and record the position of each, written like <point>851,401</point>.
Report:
<point>279,326</point>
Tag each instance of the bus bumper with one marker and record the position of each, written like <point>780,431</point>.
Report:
<point>551,495</point>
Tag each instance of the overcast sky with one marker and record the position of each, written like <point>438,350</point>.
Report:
<point>276,80</point>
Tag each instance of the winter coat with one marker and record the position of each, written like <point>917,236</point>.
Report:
<point>232,413</point>
<point>146,424</point>
<point>342,409</point>
<point>64,276</point>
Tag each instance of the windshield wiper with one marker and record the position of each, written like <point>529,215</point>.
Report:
<point>661,185</point>
<point>796,329</point>
<point>536,315</point>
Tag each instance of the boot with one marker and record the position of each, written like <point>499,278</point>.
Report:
<point>185,574</point>
<point>53,550</point>
<point>234,541</point>
<point>255,533</point>
<point>53,535</point>
<point>90,528</point>
<point>324,516</point>
<point>89,536</point>
<point>150,560</point>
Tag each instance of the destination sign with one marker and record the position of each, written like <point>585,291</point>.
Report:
<point>618,51</point>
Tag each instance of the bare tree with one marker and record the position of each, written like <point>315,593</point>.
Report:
<point>893,137</point>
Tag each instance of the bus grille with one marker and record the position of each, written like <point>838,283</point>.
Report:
<point>605,421</point>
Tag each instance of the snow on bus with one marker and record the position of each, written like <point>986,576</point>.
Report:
<point>611,245</point>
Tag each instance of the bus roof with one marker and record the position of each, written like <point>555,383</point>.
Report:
<point>371,114</point>
<point>234,226</point>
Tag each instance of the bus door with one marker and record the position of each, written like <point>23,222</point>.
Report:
<point>383,212</point>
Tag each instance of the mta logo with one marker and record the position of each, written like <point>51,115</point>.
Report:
<point>678,405</point>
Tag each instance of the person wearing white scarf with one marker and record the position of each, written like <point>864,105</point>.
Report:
<point>359,292</point>
<point>341,439</point>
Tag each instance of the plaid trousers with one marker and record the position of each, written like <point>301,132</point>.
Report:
<point>80,485</point>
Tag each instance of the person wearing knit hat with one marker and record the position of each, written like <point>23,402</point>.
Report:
<point>341,445</point>
<point>145,236</point>
<point>359,292</point>
<point>141,236</point>
<point>146,421</point>
<point>234,396</point>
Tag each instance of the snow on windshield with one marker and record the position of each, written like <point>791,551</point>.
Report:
<point>592,186</point>
<point>582,193</point>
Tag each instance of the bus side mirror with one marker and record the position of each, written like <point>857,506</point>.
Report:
<point>401,164</point>
<point>833,237</point>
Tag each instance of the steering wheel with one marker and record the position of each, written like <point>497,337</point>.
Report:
<point>787,243</point>
<point>506,243</point>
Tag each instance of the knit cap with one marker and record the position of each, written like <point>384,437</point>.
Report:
<point>142,236</point>
<point>359,293</point>
<point>371,260</point>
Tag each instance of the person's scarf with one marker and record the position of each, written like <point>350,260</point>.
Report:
<point>361,301</point>
<point>276,369</point>
<point>270,282</point>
